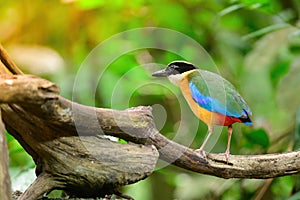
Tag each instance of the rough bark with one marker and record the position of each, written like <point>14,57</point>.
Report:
<point>136,125</point>
<point>83,166</point>
<point>5,186</point>
<point>66,142</point>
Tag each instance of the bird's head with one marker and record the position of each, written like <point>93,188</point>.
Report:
<point>174,71</point>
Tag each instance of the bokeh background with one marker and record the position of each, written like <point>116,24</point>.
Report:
<point>254,43</point>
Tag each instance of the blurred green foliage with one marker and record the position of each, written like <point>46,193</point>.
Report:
<point>254,44</point>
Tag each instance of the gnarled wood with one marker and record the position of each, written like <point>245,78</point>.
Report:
<point>136,125</point>
<point>86,166</point>
<point>66,142</point>
<point>90,166</point>
<point>5,187</point>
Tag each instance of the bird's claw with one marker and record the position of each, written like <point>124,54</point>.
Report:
<point>227,155</point>
<point>201,152</point>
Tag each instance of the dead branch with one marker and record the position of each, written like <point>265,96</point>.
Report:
<point>136,125</point>
<point>65,140</point>
<point>5,186</point>
<point>86,166</point>
<point>7,64</point>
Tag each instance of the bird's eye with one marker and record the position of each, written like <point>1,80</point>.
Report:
<point>175,67</point>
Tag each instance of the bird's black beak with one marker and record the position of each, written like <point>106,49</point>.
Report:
<point>161,73</point>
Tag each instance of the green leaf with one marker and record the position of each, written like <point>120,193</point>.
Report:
<point>122,141</point>
<point>265,30</point>
<point>258,136</point>
<point>17,155</point>
<point>280,68</point>
<point>269,6</point>
<point>230,9</point>
<point>296,196</point>
<point>282,187</point>
<point>289,88</point>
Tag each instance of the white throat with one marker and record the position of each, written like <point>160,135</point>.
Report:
<point>175,79</point>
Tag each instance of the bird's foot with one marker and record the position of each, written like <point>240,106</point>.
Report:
<point>201,152</point>
<point>227,155</point>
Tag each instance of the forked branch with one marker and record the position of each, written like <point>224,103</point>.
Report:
<point>66,141</point>
<point>137,125</point>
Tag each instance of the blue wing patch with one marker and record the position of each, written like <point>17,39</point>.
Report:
<point>212,104</point>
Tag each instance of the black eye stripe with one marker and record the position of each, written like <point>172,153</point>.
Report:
<point>181,67</point>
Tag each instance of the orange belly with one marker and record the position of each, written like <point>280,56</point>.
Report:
<point>208,117</point>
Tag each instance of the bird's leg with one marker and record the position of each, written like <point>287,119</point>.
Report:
<point>227,152</point>
<point>201,150</point>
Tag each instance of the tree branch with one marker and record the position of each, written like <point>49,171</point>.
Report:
<point>41,185</point>
<point>5,186</point>
<point>136,125</point>
<point>10,66</point>
<point>86,166</point>
<point>66,142</point>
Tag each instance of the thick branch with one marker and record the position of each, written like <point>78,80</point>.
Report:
<point>136,125</point>
<point>27,88</point>
<point>66,142</point>
<point>90,166</point>
<point>5,187</point>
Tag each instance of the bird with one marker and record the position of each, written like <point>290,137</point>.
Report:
<point>213,99</point>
